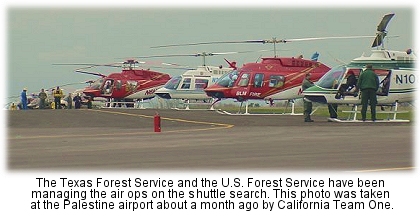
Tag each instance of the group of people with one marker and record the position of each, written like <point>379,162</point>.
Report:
<point>58,95</point>
<point>367,84</point>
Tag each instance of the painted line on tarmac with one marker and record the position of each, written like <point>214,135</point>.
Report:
<point>219,126</point>
<point>169,119</point>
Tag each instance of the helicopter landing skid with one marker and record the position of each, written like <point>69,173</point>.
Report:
<point>367,121</point>
<point>258,114</point>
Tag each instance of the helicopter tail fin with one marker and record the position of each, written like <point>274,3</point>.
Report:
<point>231,64</point>
<point>315,56</point>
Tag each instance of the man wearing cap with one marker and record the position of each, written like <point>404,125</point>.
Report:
<point>368,84</point>
<point>307,106</point>
<point>24,99</point>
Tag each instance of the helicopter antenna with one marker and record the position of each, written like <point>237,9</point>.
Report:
<point>381,31</point>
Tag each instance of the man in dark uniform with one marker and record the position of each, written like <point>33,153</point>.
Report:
<point>368,84</point>
<point>307,106</point>
<point>77,101</point>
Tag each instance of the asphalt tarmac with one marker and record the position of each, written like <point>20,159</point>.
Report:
<point>124,139</point>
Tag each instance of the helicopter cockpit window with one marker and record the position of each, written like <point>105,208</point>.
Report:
<point>97,84</point>
<point>258,80</point>
<point>276,81</point>
<point>244,80</point>
<point>228,79</point>
<point>186,84</point>
<point>201,84</point>
<point>335,75</point>
<point>173,83</point>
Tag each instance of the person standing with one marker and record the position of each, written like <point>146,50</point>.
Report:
<point>307,105</point>
<point>69,101</point>
<point>77,101</point>
<point>42,97</point>
<point>89,103</point>
<point>24,99</point>
<point>332,108</point>
<point>13,106</point>
<point>368,84</point>
<point>58,94</point>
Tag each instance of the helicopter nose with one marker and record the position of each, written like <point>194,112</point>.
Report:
<point>215,94</point>
<point>163,93</point>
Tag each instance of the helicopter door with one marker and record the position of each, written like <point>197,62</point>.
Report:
<point>186,84</point>
<point>345,84</point>
<point>201,84</point>
<point>257,85</point>
<point>276,81</point>
<point>242,86</point>
<point>243,82</point>
<point>384,85</point>
<point>108,86</point>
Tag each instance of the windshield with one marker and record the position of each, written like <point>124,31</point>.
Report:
<point>173,83</point>
<point>97,84</point>
<point>334,75</point>
<point>228,79</point>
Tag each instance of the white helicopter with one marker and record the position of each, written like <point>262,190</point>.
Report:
<point>190,86</point>
<point>395,69</point>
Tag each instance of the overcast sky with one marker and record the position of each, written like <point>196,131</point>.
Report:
<point>38,37</point>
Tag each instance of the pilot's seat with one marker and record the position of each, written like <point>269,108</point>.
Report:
<point>384,89</point>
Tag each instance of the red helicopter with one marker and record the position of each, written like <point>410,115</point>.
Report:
<point>130,84</point>
<point>274,78</point>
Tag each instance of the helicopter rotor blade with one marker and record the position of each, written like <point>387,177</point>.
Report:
<point>201,54</point>
<point>273,40</point>
<point>322,38</point>
<point>90,73</point>
<point>381,30</point>
<point>384,23</point>
<point>213,42</point>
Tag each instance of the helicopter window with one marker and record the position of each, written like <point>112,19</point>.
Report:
<point>333,76</point>
<point>173,83</point>
<point>228,79</point>
<point>258,80</point>
<point>201,83</point>
<point>97,84</point>
<point>244,80</point>
<point>276,81</point>
<point>118,84</point>
<point>131,86</point>
<point>186,83</point>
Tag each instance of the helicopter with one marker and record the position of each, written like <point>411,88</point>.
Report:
<point>191,84</point>
<point>130,84</point>
<point>395,70</point>
<point>274,78</point>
